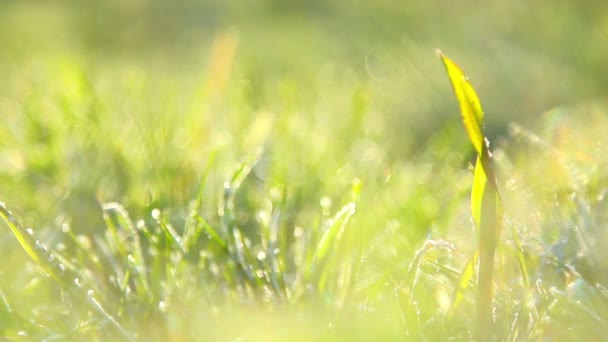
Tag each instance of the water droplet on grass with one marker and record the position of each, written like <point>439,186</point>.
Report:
<point>163,306</point>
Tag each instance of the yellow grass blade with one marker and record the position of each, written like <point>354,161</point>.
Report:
<point>486,204</point>
<point>480,180</point>
<point>470,107</point>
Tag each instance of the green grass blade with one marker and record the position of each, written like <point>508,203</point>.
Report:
<point>212,232</point>
<point>49,263</point>
<point>32,247</point>
<point>489,225</point>
<point>96,305</point>
<point>470,107</point>
<point>480,181</point>
<point>168,229</point>
<point>486,204</point>
<point>521,258</point>
<point>328,241</point>
<point>195,223</point>
<point>234,241</point>
<point>6,314</point>
<point>466,276</point>
<point>131,244</point>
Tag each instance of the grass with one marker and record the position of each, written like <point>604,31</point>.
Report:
<point>486,203</point>
<point>221,171</point>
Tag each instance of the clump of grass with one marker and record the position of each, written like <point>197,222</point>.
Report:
<point>138,271</point>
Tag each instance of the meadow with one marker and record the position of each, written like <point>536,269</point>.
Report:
<point>299,170</point>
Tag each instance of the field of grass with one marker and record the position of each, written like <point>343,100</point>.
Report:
<point>298,170</point>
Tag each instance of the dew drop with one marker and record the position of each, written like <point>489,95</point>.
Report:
<point>156,213</point>
<point>163,306</point>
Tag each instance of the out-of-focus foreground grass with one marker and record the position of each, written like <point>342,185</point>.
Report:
<point>298,169</point>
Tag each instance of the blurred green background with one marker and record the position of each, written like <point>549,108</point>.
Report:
<point>134,101</point>
<point>347,75</point>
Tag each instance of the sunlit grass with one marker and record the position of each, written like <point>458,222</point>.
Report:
<point>276,172</point>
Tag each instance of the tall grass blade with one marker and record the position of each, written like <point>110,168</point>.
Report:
<point>6,314</point>
<point>212,232</point>
<point>470,107</point>
<point>170,232</point>
<point>521,258</point>
<point>195,222</point>
<point>329,239</point>
<point>486,204</point>
<point>467,274</point>
<point>132,244</point>
<point>234,240</point>
<point>39,254</point>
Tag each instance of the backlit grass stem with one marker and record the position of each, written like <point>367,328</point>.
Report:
<point>486,204</point>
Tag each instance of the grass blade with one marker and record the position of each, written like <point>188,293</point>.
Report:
<point>486,204</point>
<point>330,238</point>
<point>32,247</point>
<point>234,240</point>
<point>467,274</point>
<point>49,263</point>
<point>131,246</point>
<point>470,107</point>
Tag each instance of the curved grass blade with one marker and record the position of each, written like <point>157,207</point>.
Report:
<point>486,204</point>
<point>467,274</point>
<point>116,216</point>
<point>53,267</point>
<point>6,314</point>
<point>330,238</point>
<point>215,236</point>
<point>470,107</point>
<point>195,224</point>
<point>33,248</point>
<point>234,241</point>
<point>521,258</point>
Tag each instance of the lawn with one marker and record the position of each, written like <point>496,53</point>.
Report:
<point>299,170</point>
